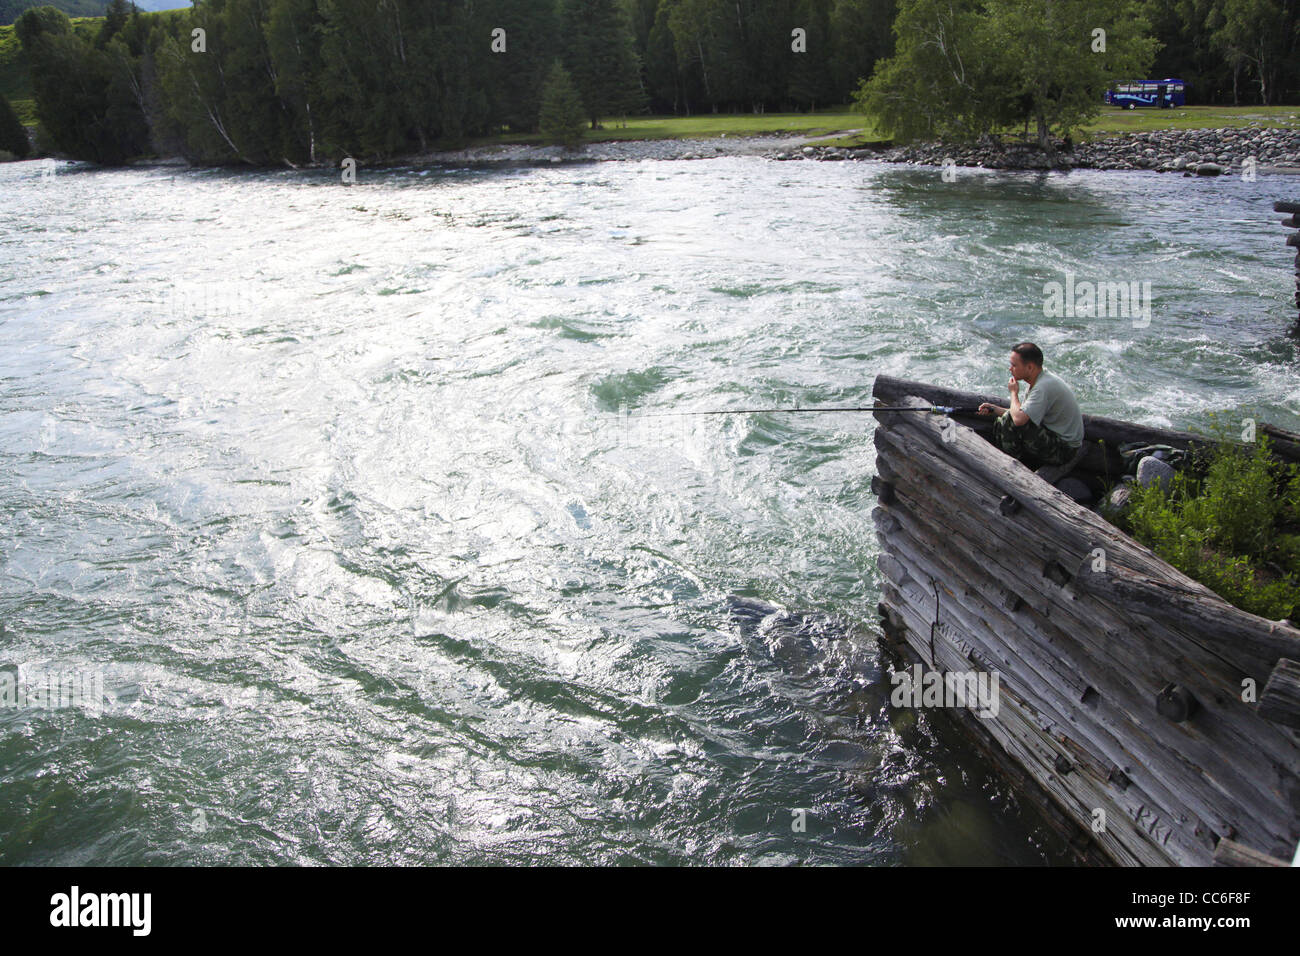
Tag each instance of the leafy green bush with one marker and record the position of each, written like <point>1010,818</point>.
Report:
<point>1234,528</point>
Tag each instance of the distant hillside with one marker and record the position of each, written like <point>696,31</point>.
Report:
<point>11,10</point>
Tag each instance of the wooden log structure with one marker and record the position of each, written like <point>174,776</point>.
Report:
<point>1232,853</point>
<point>1280,701</point>
<point>1157,720</point>
<point>1292,222</point>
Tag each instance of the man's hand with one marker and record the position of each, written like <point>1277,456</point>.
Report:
<point>1013,387</point>
<point>988,408</point>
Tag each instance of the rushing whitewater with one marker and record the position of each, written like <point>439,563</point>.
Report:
<point>351,498</point>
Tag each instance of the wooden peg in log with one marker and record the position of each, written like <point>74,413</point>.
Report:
<point>1175,702</point>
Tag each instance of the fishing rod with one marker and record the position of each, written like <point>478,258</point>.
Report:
<point>931,409</point>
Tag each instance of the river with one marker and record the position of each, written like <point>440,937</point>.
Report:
<point>351,498</point>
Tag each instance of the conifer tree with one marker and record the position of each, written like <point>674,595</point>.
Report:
<point>600,55</point>
<point>561,116</point>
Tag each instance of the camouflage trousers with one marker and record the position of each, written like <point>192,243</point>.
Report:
<point>1032,444</point>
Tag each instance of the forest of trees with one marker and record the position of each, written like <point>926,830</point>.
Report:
<point>269,81</point>
<point>265,81</point>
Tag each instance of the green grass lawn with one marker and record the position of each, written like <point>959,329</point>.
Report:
<point>708,126</point>
<point>844,128</point>
<point>1115,120</point>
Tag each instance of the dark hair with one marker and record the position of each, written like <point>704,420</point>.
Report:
<point>1029,352</point>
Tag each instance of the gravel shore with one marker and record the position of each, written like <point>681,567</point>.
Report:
<point>1205,152</point>
<point>618,150</point>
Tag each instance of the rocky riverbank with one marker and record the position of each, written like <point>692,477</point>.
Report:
<point>1202,151</point>
<point>617,150</point>
<point>1206,152</point>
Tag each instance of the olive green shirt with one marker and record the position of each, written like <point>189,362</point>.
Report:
<point>1051,405</point>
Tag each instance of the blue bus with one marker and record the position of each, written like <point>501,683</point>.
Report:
<point>1159,93</point>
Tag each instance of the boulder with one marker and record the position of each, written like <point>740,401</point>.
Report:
<point>1152,471</point>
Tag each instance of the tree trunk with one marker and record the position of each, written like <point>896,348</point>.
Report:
<point>704,69</point>
<point>1263,78</point>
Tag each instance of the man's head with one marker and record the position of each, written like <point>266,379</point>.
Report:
<point>1026,362</point>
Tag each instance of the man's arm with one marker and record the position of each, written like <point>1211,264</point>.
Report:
<point>1018,415</point>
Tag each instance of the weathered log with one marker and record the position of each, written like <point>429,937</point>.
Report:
<point>1231,757</point>
<point>1232,853</point>
<point>1017,734</point>
<point>1097,428</point>
<point>1257,645</point>
<point>1007,760</point>
<point>1196,608</point>
<point>1280,701</point>
<point>1128,642</point>
<point>1228,766</point>
<point>1104,730</point>
<point>1285,443</point>
<point>1283,205</point>
<point>1047,544</point>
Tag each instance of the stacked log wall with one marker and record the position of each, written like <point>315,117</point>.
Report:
<point>1082,654</point>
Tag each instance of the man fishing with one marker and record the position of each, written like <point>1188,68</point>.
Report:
<point>1048,428</point>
